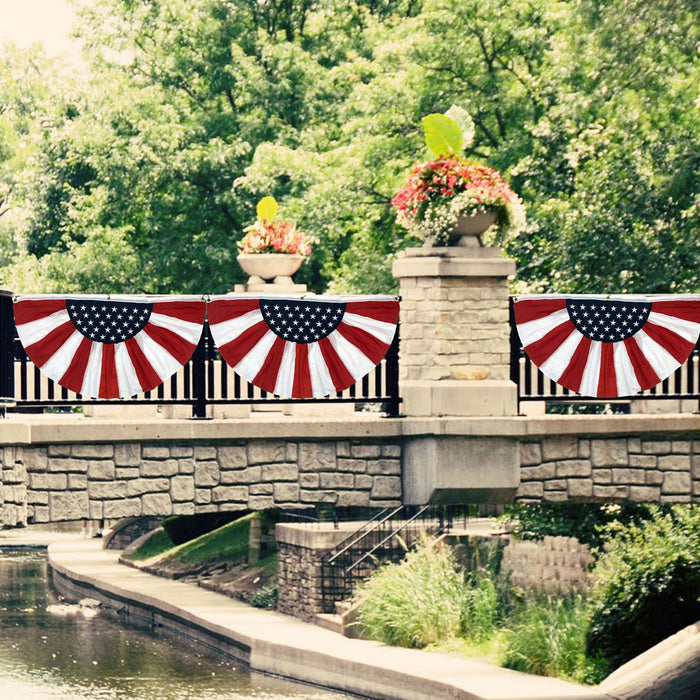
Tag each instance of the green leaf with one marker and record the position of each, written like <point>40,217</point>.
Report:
<point>464,122</point>
<point>442,135</point>
<point>267,208</point>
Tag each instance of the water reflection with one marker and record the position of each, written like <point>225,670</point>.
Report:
<point>74,657</point>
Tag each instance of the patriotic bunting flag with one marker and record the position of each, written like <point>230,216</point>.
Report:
<point>302,347</point>
<point>608,346</point>
<point>109,347</point>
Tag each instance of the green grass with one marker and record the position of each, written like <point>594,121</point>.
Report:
<point>227,543</point>
<point>158,543</point>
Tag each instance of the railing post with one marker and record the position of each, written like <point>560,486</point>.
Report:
<point>7,347</point>
<point>199,377</point>
<point>392,375</point>
<point>514,350</point>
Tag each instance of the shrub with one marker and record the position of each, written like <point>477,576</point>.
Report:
<point>417,602</point>
<point>265,597</point>
<point>647,585</point>
<point>549,639</point>
<point>587,522</point>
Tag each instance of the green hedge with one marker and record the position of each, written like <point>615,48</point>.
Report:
<point>647,585</point>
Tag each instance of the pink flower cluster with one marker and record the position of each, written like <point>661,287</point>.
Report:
<point>274,237</point>
<point>447,177</point>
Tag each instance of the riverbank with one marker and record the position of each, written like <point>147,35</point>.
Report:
<point>279,645</point>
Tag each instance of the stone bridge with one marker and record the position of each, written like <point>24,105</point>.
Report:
<point>459,441</point>
<point>56,469</point>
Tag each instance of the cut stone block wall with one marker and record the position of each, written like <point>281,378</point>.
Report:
<point>552,565</point>
<point>60,482</point>
<point>637,469</point>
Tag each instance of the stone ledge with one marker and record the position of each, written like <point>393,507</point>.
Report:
<point>453,267</point>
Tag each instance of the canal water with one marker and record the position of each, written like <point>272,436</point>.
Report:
<point>50,656</point>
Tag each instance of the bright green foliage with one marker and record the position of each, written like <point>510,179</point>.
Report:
<point>143,177</point>
<point>647,585</point>
<point>549,639</point>
<point>442,135</point>
<point>156,544</point>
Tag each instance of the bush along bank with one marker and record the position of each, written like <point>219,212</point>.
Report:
<point>646,586</point>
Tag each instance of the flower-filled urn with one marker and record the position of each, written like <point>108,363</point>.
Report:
<point>450,200</point>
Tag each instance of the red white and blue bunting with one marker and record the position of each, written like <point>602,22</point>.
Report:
<point>302,347</point>
<point>109,347</point>
<point>608,346</point>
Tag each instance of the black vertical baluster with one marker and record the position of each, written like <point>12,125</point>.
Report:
<point>391,360</point>
<point>199,376</point>
<point>365,386</point>
<point>37,383</point>
<point>7,346</point>
<point>514,350</point>
<point>379,371</point>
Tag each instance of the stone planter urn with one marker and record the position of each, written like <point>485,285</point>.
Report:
<point>263,267</point>
<point>469,227</point>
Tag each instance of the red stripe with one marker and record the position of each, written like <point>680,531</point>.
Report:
<point>571,377</point>
<point>607,382</point>
<point>235,350</point>
<point>224,309</point>
<point>688,309</point>
<point>32,310</point>
<point>43,349</point>
<point>367,343</point>
<point>643,371</point>
<point>302,389</point>
<point>73,377</point>
<point>192,311</point>
<point>340,376</point>
<point>541,349</point>
<point>175,344</point>
<point>266,378</point>
<point>532,309</point>
<point>387,311</point>
<point>147,376</point>
<point>109,385</point>
<point>678,346</point>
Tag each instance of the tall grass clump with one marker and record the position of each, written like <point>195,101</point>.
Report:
<point>549,639</point>
<point>416,602</point>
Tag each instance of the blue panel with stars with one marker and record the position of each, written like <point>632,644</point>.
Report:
<point>108,321</point>
<point>302,321</point>
<point>608,321</point>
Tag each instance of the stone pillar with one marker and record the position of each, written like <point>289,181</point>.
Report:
<point>455,347</point>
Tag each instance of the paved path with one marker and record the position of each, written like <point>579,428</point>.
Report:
<point>287,647</point>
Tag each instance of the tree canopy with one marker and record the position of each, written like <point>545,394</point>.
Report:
<point>142,175</point>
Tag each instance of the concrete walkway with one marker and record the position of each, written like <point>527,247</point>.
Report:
<point>276,644</point>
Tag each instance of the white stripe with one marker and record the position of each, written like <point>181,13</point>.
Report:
<point>185,329</point>
<point>355,361</point>
<point>285,375</point>
<point>660,359</point>
<point>56,366</point>
<point>321,382</point>
<point>229,330</point>
<point>559,360</point>
<point>686,329</point>
<point>91,378</point>
<point>34,331</point>
<point>127,378</point>
<point>534,330</point>
<point>164,364</point>
<point>591,373</point>
<point>627,383</point>
<point>379,329</point>
<point>250,364</point>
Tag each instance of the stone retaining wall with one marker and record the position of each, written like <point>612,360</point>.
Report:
<point>637,469</point>
<point>59,482</point>
<point>552,565</point>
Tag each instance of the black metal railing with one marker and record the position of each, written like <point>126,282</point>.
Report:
<point>533,385</point>
<point>204,380</point>
<point>383,539</point>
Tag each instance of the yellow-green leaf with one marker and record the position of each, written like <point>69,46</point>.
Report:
<point>442,135</point>
<point>267,208</point>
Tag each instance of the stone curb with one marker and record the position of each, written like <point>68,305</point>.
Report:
<point>276,644</point>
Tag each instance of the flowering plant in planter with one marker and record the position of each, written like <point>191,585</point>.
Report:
<point>440,191</point>
<point>268,236</point>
